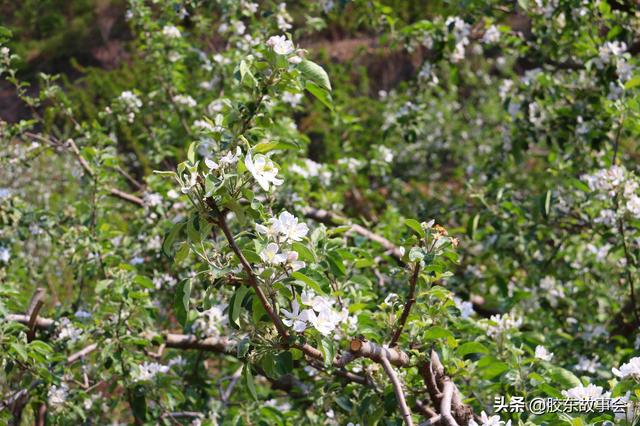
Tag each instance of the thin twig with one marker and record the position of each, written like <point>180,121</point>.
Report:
<point>411,299</point>
<point>397,387</point>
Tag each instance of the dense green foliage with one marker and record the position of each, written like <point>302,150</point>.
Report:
<point>251,189</point>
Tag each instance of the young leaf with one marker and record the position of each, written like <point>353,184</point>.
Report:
<point>315,73</point>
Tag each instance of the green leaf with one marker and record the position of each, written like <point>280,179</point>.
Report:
<point>336,264</point>
<point>139,403</point>
<point>181,301</point>
<point>314,72</point>
<point>328,349</point>
<point>263,147</point>
<point>472,226</point>
<point>303,252</point>
<point>437,332</point>
<point>415,226</point>
<point>321,94</point>
<point>191,153</point>
<point>471,348</point>
<point>248,380</point>
<point>235,305</point>
<point>634,82</point>
<point>170,238</point>
<point>563,377</point>
<point>309,281</point>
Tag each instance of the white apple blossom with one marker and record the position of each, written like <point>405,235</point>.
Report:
<point>504,323</point>
<point>148,371</point>
<point>211,322</point>
<point>492,35</point>
<point>281,45</point>
<point>585,392</point>
<point>629,370</point>
<point>289,227</point>
<point>485,420</point>
<point>543,354</point>
<point>270,255</point>
<point>57,396</point>
<point>185,100</point>
<point>465,307</point>
<point>5,254</point>
<point>293,262</point>
<point>170,31</point>
<point>296,318</point>
<point>326,321</point>
<point>263,170</point>
<point>292,99</point>
<point>67,331</point>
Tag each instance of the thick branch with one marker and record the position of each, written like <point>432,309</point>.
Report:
<point>374,352</point>
<point>444,394</point>
<point>397,387</point>
<point>411,299</point>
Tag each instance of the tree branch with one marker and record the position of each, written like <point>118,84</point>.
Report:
<point>411,299</point>
<point>397,387</point>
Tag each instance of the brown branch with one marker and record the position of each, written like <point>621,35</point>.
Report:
<point>411,299</point>
<point>397,387</point>
<point>253,282</point>
<point>443,393</point>
<point>360,348</point>
<point>445,404</point>
<point>126,196</point>
<point>32,312</point>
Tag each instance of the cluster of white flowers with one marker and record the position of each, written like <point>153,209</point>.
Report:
<point>5,254</point>
<point>587,365</point>
<point>67,331</point>
<point>148,371</point>
<point>614,53</point>
<point>543,354</point>
<point>229,159</point>
<point>486,420</point>
<point>492,35</point>
<point>236,27</point>
<point>185,100</point>
<point>283,18</point>
<point>594,332</point>
<point>131,103</point>
<point>616,180</point>
<point>170,31</point>
<point>460,31</point>
<point>292,99</point>
<point>503,324</point>
<point>321,314</point>
<point>465,308</point>
<point>164,280</point>
<point>82,315</point>
<point>609,52</point>
<point>586,392</point>
<point>553,290</point>
<point>546,7</point>
<point>312,169</point>
<point>263,170</point>
<point>281,230</point>
<point>629,370</point>
<point>281,45</point>
<point>57,396</point>
<point>212,322</point>
<point>206,126</point>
